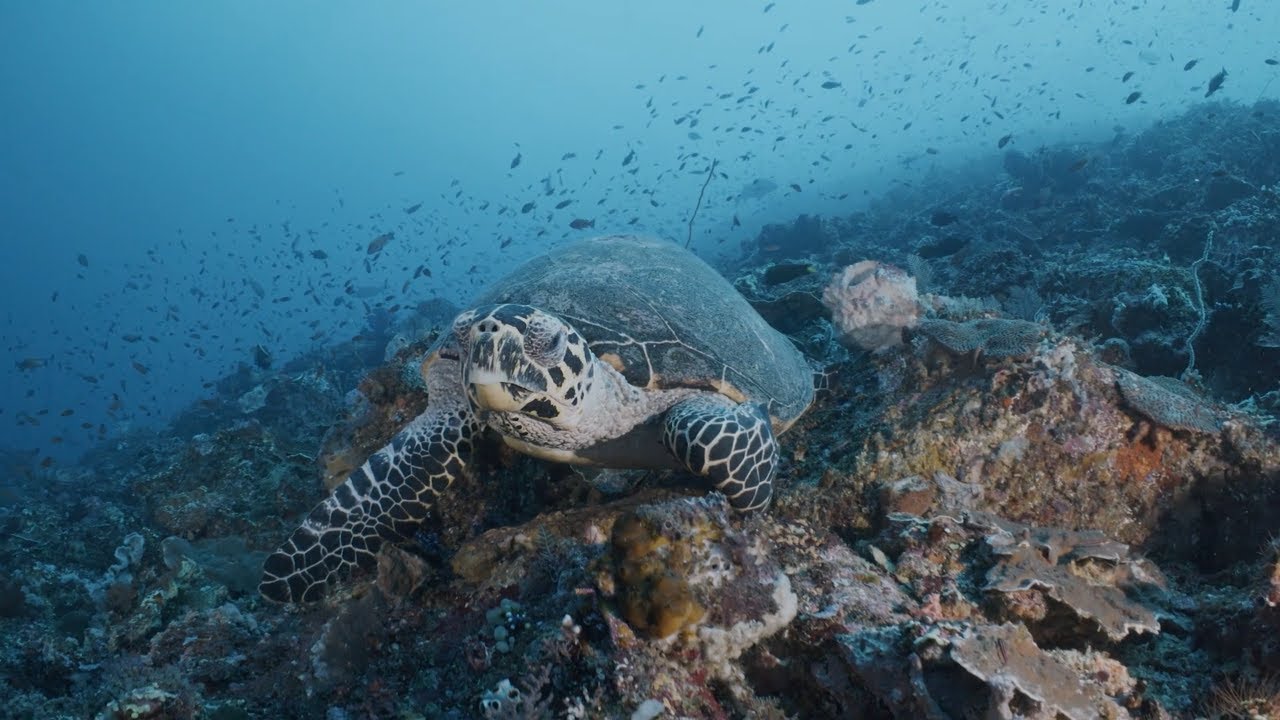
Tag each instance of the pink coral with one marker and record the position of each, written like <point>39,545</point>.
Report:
<point>871,303</point>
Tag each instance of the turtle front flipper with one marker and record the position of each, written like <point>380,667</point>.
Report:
<point>383,500</point>
<point>730,443</point>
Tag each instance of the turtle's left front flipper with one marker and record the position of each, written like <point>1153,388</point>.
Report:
<point>730,443</point>
<point>383,500</point>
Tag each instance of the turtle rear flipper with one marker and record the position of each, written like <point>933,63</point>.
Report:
<point>729,443</point>
<point>383,500</point>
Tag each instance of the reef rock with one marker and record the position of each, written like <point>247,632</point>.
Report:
<point>683,574</point>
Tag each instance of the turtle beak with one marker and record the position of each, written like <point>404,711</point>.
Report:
<point>498,376</point>
<point>498,396</point>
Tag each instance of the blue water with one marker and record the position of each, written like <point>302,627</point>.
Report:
<point>181,182</point>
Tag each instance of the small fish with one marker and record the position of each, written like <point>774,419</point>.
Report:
<point>830,85</point>
<point>627,160</point>
<point>700,29</point>
<point>1190,64</point>
<point>796,187</point>
<point>1215,82</point>
<point>568,156</point>
<point>398,173</point>
<point>515,161</point>
<point>505,242</point>
<point>412,209</point>
<point>68,412</point>
<point>319,254</point>
<point>769,7</point>
<point>1004,141</point>
<point>142,369</point>
<point>130,338</point>
<point>527,207</point>
<point>1078,165</point>
<point>580,224</point>
<point>1235,5</point>
<point>1271,61</point>
<point>1126,76</point>
<point>1133,97</point>
<point>31,363</point>
<point>736,222</point>
<point>376,245</point>
<point>563,204</point>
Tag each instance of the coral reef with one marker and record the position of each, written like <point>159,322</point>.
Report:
<point>1057,498</point>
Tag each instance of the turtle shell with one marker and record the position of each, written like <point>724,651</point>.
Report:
<point>665,319</point>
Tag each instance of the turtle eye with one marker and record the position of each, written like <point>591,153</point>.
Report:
<point>462,327</point>
<point>545,344</point>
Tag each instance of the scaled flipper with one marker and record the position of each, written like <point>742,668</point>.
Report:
<point>383,500</point>
<point>730,443</point>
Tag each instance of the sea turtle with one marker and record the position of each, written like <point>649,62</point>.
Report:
<point>620,352</point>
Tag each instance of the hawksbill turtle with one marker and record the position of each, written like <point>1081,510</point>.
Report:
<point>617,352</point>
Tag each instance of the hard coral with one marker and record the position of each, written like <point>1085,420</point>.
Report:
<point>952,670</point>
<point>1169,402</point>
<point>1084,574</point>
<point>993,337</point>
<point>1018,672</point>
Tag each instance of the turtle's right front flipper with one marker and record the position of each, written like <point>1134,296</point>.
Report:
<point>729,443</point>
<point>383,500</point>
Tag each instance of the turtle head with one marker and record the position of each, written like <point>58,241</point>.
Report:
<point>519,359</point>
